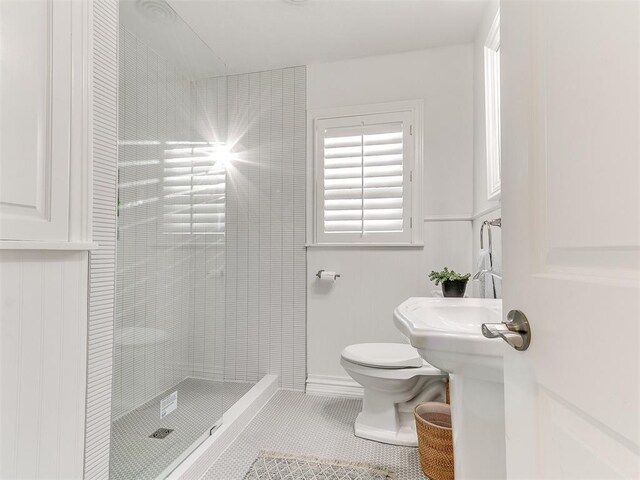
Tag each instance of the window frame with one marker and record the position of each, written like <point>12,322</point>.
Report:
<point>412,166</point>
<point>492,109</point>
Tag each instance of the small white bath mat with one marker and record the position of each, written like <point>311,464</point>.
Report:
<point>283,466</point>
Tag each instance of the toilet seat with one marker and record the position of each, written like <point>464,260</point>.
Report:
<point>425,370</point>
<point>383,355</point>
<point>393,361</point>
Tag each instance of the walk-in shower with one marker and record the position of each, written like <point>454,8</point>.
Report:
<point>168,377</point>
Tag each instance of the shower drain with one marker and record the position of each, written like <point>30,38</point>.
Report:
<point>161,433</point>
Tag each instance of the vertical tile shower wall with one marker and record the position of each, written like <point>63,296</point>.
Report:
<point>265,117</point>
<point>177,295</point>
<point>167,281</point>
<point>102,261</point>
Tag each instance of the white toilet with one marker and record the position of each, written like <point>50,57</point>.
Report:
<point>395,379</point>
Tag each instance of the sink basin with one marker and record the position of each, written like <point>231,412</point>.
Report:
<point>443,316</point>
<point>447,334</point>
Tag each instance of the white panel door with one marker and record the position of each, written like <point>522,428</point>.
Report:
<point>571,192</point>
<point>35,108</point>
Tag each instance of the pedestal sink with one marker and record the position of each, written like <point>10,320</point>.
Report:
<point>447,334</point>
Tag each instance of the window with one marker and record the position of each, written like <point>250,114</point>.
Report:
<point>193,184</point>
<point>364,169</point>
<point>492,108</point>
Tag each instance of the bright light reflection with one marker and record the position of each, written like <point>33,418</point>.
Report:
<point>214,152</point>
<point>222,157</point>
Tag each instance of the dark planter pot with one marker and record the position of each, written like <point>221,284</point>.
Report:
<point>454,288</point>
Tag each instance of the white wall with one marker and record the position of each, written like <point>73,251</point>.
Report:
<point>483,209</point>
<point>44,283</point>
<point>359,306</point>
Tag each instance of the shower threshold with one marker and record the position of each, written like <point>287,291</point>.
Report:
<point>137,452</point>
<point>236,419</point>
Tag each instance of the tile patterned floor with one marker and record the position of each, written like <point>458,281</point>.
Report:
<point>200,403</point>
<point>297,423</point>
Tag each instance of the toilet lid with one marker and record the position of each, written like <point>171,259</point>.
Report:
<point>383,355</point>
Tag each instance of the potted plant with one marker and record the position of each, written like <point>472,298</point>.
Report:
<point>453,284</point>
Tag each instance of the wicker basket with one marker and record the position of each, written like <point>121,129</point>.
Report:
<point>435,441</point>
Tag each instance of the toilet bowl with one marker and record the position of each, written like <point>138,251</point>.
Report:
<point>395,379</point>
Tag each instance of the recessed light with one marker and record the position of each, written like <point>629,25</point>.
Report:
<point>296,2</point>
<point>157,11</point>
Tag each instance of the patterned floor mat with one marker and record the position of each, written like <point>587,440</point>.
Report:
<point>282,466</point>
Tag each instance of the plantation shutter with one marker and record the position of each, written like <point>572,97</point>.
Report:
<point>364,192</point>
<point>193,191</point>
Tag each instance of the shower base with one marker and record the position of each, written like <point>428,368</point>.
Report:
<point>135,455</point>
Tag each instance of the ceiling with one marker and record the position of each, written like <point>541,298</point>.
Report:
<point>156,24</point>
<point>255,35</point>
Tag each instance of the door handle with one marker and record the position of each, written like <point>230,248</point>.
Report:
<point>515,330</point>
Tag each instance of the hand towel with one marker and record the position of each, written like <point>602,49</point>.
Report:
<point>484,263</point>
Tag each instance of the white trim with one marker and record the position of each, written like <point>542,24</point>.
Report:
<point>448,218</point>
<point>486,211</point>
<point>333,386</point>
<point>365,245</point>
<point>416,107</point>
<point>81,141</point>
<point>30,245</point>
<point>492,108</point>
<point>428,218</point>
<point>235,420</point>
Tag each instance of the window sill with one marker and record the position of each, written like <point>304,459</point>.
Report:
<point>364,245</point>
<point>47,246</point>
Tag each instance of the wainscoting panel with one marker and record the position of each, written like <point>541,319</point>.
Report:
<point>43,296</point>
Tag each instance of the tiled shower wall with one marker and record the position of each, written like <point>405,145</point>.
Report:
<point>264,114</point>
<point>102,260</point>
<point>172,305</point>
<point>167,281</point>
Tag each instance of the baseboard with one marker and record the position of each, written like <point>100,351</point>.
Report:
<point>234,422</point>
<point>333,386</point>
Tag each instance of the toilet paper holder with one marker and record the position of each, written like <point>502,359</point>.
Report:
<point>319,274</point>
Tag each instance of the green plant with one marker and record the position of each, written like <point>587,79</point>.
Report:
<point>447,275</point>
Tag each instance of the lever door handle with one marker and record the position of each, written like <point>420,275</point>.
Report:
<point>495,330</point>
<point>515,330</point>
